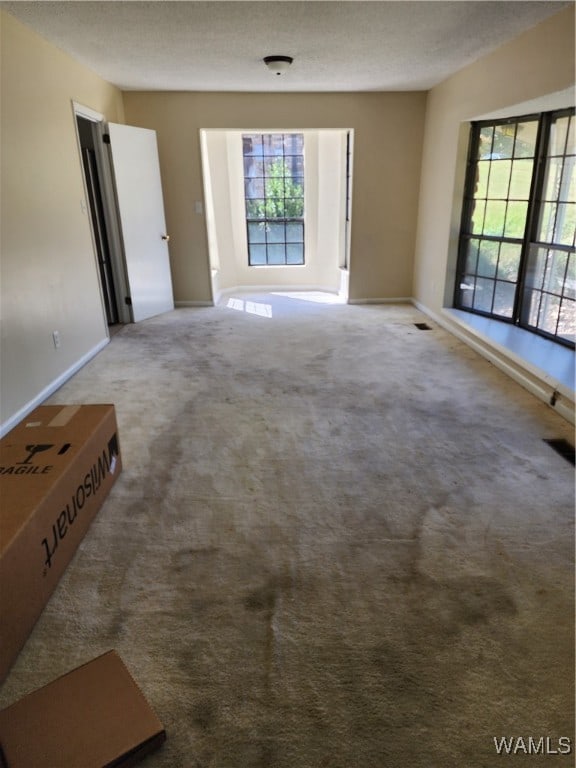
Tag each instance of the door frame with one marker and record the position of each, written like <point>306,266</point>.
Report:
<point>109,205</point>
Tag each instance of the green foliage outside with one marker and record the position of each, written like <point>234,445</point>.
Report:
<point>489,261</point>
<point>284,198</point>
<point>493,216</point>
<point>501,193</point>
<point>502,143</point>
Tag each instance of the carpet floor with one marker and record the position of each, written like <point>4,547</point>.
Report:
<point>338,541</point>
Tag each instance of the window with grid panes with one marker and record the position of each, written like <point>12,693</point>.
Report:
<point>517,257</point>
<point>274,197</point>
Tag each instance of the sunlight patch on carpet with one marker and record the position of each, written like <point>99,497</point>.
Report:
<point>251,307</point>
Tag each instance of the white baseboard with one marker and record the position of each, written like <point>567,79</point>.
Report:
<point>51,388</point>
<point>274,289</point>
<point>399,300</point>
<point>181,304</point>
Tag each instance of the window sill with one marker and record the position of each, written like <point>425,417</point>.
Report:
<point>550,362</point>
<point>544,368</point>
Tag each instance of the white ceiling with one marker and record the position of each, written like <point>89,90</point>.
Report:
<point>337,46</point>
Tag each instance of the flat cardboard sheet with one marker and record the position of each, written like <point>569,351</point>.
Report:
<point>93,717</point>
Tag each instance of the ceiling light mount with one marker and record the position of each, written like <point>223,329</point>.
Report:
<point>278,64</point>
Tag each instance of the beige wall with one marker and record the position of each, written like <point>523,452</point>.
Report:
<point>532,68</point>
<point>49,279</point>
<point>388,129</point>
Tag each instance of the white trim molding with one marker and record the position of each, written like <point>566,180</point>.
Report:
<point>87,112</point>
<point>546,385</point>
<point>399,300</point>
<point>262,289</point>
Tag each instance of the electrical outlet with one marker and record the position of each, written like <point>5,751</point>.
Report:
<point>56,339</point>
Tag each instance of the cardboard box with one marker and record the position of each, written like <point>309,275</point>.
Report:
<point>92,717</point>
<point>56,469</point>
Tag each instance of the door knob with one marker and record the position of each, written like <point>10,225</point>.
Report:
<point>166,237</point>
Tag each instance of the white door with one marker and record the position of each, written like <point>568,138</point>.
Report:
<point>141,211</point>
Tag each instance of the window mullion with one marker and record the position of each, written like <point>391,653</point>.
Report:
<point>532,217</point>
<point>466,216</point>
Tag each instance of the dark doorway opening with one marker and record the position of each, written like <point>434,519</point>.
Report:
<point>87,138</point>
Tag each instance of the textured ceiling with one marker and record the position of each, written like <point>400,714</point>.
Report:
<point>337,46</point>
